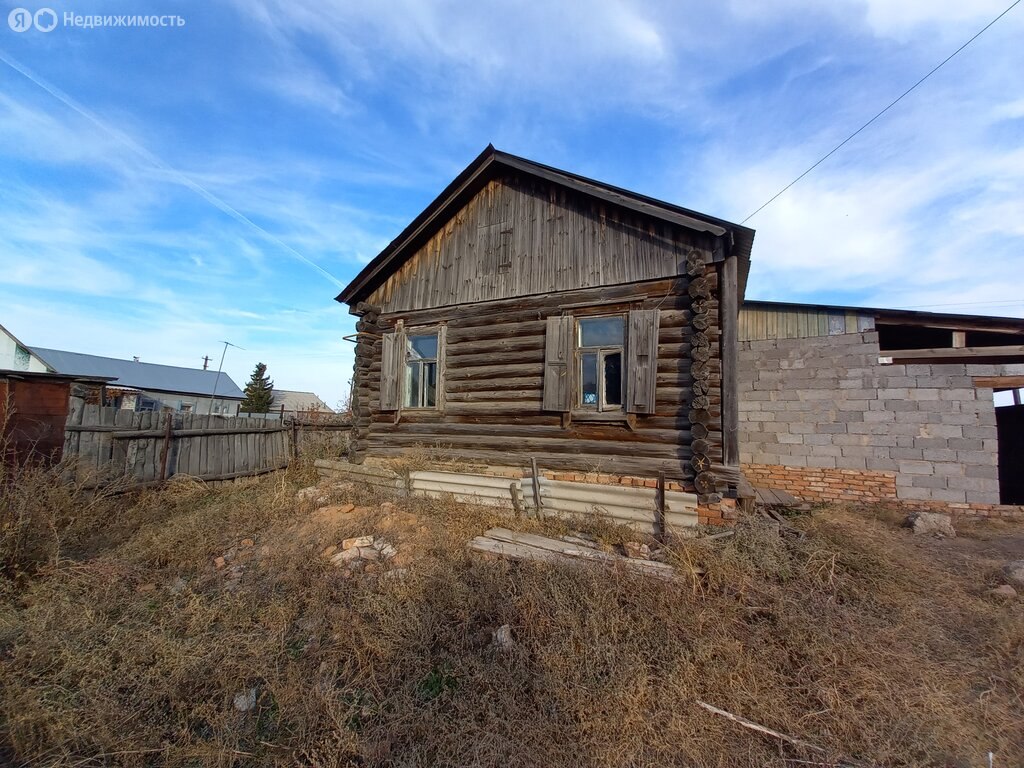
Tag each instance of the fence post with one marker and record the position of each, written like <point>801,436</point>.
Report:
<point>659,515</point>
<point>165,453</point>
<point>295,440</point>
<point>536,488</point>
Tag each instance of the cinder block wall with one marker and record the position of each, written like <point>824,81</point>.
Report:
<point>813,407</point>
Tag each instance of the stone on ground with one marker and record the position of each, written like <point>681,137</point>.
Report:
<point>1003,591</point>
<point>502,637</point>
<point>357,541</point>
<point>388,508</point>
<point>1014,572</point>
<point>935,523</point>
<point>245,700</point>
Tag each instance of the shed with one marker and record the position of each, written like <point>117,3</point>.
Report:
<point>33,411</point>
<point>533,314</point>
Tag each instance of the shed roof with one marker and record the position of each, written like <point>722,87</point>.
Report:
<point>492,162</point>
<point>148,376</point>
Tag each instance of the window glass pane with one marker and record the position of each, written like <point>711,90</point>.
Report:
<point>423,347</point>
<point>601,331</point>
<point>588,378</point>
<point>613,379</point>
<point>411,390</point>
<point>429,385</point>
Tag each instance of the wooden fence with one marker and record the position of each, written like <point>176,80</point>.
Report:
<point>109,445</point>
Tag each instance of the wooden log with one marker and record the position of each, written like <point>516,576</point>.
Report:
<point>705,482</point>
<point>729,319</point>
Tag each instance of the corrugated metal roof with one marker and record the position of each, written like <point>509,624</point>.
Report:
<point>128,373</point>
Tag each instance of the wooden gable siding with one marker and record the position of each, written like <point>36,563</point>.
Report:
<point>758,322</point>
<point>523,237</point>
<point>494,387</point>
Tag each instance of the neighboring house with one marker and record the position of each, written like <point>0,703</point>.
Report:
<point>151,387</point>
<point>293,403</point>
<point>530,313</point>
<point>15,356</point>
<point>857,404</point>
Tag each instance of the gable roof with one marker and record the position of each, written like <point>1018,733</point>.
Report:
<point>150,376</point>
<point>21,344</point>
<point>490,163</point>
<point>299,401</point>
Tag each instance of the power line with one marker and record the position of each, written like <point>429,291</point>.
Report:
<point>892,104</point>
<point>149,157</point>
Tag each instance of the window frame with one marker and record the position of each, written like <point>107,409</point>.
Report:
<point>600,409</point>
<point>421,362</point>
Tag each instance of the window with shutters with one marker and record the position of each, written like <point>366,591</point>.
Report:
<point>600,351</point>
<point>602,367</point>
<point>412,369</point>
<point>419,384</point>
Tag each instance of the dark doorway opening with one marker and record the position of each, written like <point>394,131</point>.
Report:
<point>1010,427</point>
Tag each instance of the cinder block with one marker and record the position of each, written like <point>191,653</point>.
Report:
<point>893,393</point>
<point>982,458</point>
<point>983,497</point>
<point>880,417</point>
<point>818,439</point>
<point>913,494</point>
<point>943,430</point>
<point>912,467</point>
<point>931,442</point>
<point>882,465</point>
<point>928,481</point>
<point>787,438</point>
<point>939,454</point>
<point>973,484</point>
<point>851,462</point>
<point>966,444</point>
<point>933,381</point>
<point>817,460</point>
<point>907,454</point>
<point>901,405</point>
<point>959,395</point>
<point>952,496</point>
<point>913,417</point>
<point>924,393</point>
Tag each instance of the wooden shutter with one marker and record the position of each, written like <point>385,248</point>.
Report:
<point>442,359</point>
<point>392,359</point>
<point>641,360</point>
<point>557,357</point>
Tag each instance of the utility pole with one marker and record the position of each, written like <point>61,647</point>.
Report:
<point>219,369</point>
<point>206,362</point>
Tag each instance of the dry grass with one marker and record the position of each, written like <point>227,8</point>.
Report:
<point>857,639</point>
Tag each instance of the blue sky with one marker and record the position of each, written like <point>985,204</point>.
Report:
<point>330,125</point>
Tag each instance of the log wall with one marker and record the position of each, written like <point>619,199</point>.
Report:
<point>494,377</point>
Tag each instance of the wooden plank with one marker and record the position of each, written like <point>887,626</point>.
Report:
<point>999,382</point>
<point>514,544</point>
<point>1010,351</point>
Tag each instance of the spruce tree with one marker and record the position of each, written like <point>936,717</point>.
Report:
<point>259,392</point>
